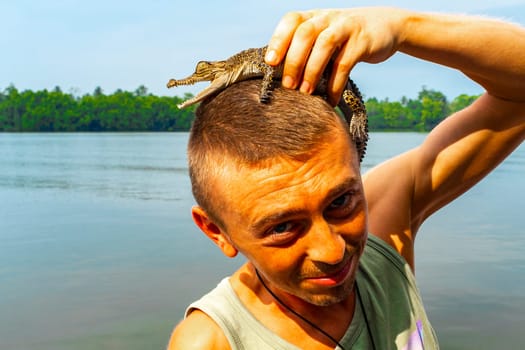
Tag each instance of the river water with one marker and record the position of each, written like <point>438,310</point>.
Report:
<point>98,250</point>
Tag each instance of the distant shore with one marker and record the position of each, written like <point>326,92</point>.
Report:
<point>138,111</point>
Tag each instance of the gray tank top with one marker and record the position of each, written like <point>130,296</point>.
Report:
<point>393,315</point>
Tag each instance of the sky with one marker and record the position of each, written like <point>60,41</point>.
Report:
<point>113,44</point>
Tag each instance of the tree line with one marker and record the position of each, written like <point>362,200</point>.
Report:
<point>120,111</point>
<point>55,110</point>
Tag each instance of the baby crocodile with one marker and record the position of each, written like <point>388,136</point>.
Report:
<point>249,64</point>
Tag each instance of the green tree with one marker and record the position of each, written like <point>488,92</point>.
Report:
<point>462,101</point>
<point>141,91</point>
<point>376,118</point>
<point>434,108</point>
<point>98,91</point>
<point>11,109</point>
<point>140,111</point>
<point>396,116</point>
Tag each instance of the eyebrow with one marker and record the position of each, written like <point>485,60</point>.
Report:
<point>342,187</point>
<point>282,216</point>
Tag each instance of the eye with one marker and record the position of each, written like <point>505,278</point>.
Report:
<point>284,232</point>
<point>340,201</point>
<point>342,206</point>
<point>282,228</point>
<point>202,67</point>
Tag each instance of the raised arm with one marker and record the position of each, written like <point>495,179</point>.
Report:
<point>457,153</point>
<point>489,51</point>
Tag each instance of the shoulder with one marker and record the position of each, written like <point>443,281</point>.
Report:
<point>198,332</point>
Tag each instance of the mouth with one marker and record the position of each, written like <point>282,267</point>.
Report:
<point>336,278</point>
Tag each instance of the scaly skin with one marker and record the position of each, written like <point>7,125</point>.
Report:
<point>249,64</point>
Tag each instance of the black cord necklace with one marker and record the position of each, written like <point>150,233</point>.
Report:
<point>363,310</point>
<point>298,314</point>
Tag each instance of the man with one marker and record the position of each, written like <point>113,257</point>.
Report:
<point>330,254</point>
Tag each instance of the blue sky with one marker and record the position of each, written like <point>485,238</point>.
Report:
<point>79,45</point>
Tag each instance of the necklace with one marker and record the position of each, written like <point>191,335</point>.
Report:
<point>319,329</point>
<point>363,310</point>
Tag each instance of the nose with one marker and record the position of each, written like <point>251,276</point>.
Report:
<point>325,245</point>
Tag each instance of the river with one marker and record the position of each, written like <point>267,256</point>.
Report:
<point>98,250</point>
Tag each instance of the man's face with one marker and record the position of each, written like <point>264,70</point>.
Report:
<point>303,225</point>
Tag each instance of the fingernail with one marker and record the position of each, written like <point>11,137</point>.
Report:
<point>271,57</point>
<point>305,87</point>
<point>288,82</point>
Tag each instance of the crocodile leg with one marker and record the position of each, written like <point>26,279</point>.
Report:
<point>358,123</point>
<point>266,86</point>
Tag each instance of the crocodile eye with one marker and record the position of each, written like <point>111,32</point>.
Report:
<point>202,66</point>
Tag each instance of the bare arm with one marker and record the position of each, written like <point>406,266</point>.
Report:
<point>198,332</point>
<point>403,192</point>
<point>468,145</point>
<point>457,154</point>
<point>489,51</point>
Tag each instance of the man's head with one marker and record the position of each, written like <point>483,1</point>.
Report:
<point>280,182</point>
<point>235,128</point>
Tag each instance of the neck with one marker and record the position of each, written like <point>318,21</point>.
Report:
<point>265,288</point>
<point>332,319</point>
<point>304,319</point>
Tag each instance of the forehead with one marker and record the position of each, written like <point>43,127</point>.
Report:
<point>247,192</point>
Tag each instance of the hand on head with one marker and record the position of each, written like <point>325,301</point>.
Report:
<point>306,41</point>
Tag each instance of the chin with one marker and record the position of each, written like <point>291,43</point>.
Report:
<point>332,296</point>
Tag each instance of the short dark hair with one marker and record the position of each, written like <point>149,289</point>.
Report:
<point>235,127</point>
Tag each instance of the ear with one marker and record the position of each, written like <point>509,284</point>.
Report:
<point>210,229</point>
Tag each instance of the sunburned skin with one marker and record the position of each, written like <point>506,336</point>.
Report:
<point>302,226</point>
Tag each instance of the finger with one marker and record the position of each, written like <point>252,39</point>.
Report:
<point>327,43</point>
<point>282,36</point>
<point>298,54</point>
<point>342,66</point>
